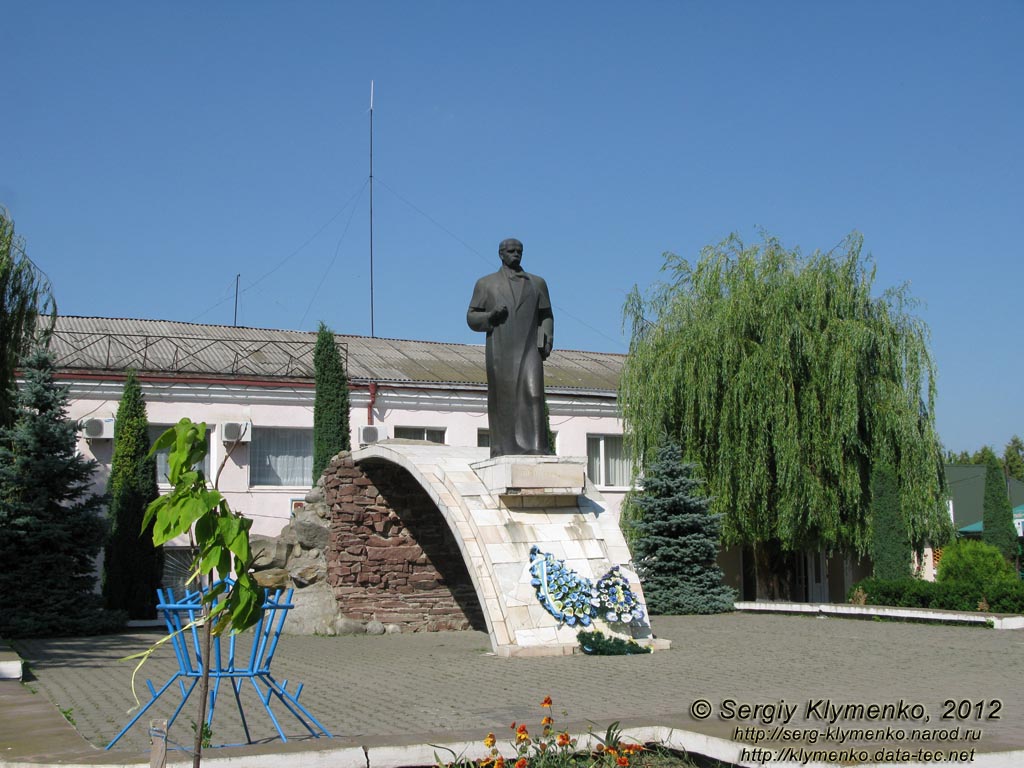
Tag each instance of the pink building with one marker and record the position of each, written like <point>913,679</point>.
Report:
<point>258,384</point>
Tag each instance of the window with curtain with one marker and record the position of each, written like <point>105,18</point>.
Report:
<point>606,460</point>
<point>429,434</point>
<point>281,456</point>
<point>162,468</point>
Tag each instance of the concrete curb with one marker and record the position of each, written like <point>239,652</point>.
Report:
<point>849,611</point>
<point>415,755</point>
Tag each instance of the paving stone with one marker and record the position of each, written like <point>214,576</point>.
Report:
<point>418,687</point>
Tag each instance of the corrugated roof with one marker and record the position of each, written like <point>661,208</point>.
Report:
<point>167,347</point>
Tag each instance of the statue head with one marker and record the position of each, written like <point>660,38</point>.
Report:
<point>511,253</point>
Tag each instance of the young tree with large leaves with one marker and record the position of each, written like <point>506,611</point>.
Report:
<point>784,377</point>
<point>51,524</point>
<point>132,566</point>
<point>331,431</point>
<point>26,307</point>
<point>675,539</point>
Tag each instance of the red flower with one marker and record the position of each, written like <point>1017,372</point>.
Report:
<point>546,702</point>
<point>521,762</point>
<point>622,761</point>
<point>563,739</point>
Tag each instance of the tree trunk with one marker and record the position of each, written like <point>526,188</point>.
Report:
<point>204,689</point>
<point>774,571</point>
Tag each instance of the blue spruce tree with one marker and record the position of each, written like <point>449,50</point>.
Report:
<point>51,522</point>
<point>675,539</point>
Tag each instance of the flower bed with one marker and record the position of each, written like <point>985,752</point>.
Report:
<point>552,747</point>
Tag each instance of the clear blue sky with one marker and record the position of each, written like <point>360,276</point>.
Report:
<point>149,152</point>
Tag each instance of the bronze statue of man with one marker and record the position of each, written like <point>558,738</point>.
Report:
<point>513,308</point>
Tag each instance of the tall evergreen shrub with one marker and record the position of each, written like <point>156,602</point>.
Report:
<point>51,525</point>
<point>998,529</point>
<point>675,539</point>
<point>890,543</point>
<point>132,566</point>
<point>330,405</point>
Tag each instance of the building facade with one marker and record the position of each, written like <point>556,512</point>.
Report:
<point>257,385</point>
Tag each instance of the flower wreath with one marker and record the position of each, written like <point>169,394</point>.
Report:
<point>573,599</point>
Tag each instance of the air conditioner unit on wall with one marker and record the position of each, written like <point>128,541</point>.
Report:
<point>98,429</point>
<point>372,433</point>
<point>236,432</point>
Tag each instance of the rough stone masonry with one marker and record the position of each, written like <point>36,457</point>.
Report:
<point>369,552</point>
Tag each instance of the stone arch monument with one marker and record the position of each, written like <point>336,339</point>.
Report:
<point>438,537</point>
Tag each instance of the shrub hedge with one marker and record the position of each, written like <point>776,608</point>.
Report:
<point>1000,596</point>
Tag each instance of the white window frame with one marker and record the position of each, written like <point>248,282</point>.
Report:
<point>275,486</point>
<point>424,430</point>
<point>602,464</point>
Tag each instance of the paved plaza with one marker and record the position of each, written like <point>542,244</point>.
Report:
<point>425,688</point>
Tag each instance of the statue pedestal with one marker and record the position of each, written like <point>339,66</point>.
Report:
<point>534,481</point>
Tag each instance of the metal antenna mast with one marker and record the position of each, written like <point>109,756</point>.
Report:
<point>372,334</point>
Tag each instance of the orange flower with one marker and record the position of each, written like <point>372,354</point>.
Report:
<point>521,762</point>
<point>563,739</point>
<point>622,761</point>
<point>546,702</point>
<point>546,721</point>
<point>489,741</point>
<point>500,762</point>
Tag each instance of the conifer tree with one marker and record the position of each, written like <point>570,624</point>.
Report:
<point>330,405</point>
<point>890,545</point>
<point>1013,458</point>
<point>51,525</point>
<point>997,521</point>
<point>675,542</point>
<point>132,566</point>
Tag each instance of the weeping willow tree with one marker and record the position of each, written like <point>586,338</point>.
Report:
<point>25,297</point>
<point>784,378</point>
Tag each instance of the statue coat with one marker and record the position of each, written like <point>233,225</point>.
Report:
<point>515,370</point>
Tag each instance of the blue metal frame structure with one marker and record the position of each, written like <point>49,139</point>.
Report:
<point>181,620</point>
